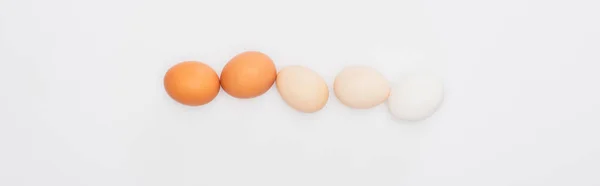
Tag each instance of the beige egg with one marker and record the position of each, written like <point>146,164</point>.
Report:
<point>302,88</point>
<point>361,87</point>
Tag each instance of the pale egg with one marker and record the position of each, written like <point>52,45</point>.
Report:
<point>416,97</point>
<point>361,87</point>
<point>302,88</point>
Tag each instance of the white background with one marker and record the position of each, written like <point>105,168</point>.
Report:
<point>82,101</point>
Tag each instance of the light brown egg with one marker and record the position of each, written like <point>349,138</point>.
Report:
<point>302,88</point>
<point>361,87</point>
<point>249,74</point>
<point>192,83</point>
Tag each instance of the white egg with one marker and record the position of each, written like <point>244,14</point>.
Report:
<point>416,97</point>
<point>361,87</point>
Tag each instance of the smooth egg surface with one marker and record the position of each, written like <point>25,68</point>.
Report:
<point>192,83</point>
<point>248,74</point>
<point>302,88</point>
<point>361,87</point>
<point>416,97</point>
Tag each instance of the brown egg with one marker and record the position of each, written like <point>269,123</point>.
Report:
<point>249,74</point>
<point>192,83</point>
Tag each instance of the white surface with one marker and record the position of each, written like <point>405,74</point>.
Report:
<point>82,101</point>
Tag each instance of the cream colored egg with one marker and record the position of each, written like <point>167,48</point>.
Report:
<point>361,87</point>
<point>302,88</point>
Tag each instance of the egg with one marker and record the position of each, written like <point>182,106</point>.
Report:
<point>191,83</point>
<point>416,97</point>
<point>361,87</point>
<point>302,88</point>
<point>248,74</point>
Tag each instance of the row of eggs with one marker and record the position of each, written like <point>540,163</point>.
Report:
<point>252,73</point>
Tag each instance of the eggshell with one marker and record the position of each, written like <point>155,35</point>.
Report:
<point>361,87</point>
<point>191,83</point>
<point>248,74</point>
<point>416,97</point>
<point>302,88</point>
